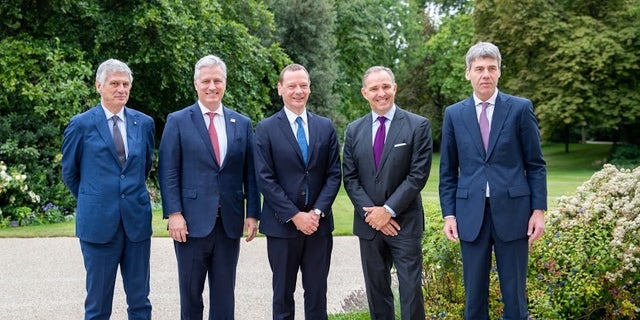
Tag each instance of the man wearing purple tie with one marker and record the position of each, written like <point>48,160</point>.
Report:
<point>493,188</point>
<point>387,160</point>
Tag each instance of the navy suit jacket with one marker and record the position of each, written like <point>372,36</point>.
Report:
<point>404,169</point>
<point>513,165</point>
<point>193,183</point>
<point>283,177</point>
<point>106,191</point>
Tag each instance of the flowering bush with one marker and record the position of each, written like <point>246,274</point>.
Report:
<point>15,197</point>
<point>587,265</point>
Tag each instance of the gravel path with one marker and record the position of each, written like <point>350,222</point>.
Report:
<point>43,278</point>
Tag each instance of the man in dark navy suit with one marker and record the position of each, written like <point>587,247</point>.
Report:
<point>493,186</point>
<point>209,192</point>
<point>298,167</point>
<point>107,155</point>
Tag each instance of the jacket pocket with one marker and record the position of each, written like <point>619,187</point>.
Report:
<point>519,191</point>
<point>462,193</point>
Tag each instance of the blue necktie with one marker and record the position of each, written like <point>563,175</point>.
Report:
<point>302,140</point>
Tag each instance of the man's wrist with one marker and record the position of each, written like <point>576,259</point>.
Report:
<point>318,212</point>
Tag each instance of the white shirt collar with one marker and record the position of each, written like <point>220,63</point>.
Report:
<point>108,113</point>
<point>389,115</point>
<point>204,110</point>
<point>491,100</point>
<point>291,117</point>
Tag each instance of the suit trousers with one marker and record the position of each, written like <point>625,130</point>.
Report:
<point>512,265</point>
<point>215,255</point>
<point>378,255</point>
<point>312,256</point>
<point>101,263</point>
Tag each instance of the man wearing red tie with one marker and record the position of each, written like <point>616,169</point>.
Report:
<point>208,186</point>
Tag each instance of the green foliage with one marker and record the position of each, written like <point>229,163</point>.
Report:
<point>626,155</point>
<point>585,267</point>
<point>577,62</point>
<point>306,33</point>
<point>16,200</point>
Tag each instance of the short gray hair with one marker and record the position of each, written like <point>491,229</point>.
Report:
<point>376,69</point>
<point>209,61</point>
<point>112,65</point>
<point>483,50</point>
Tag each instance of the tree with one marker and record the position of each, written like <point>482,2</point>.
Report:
<point>50,49</point>
<point>305,30</point>
<point>577,62</point>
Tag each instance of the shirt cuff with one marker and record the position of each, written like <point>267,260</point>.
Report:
<point>393,213</point>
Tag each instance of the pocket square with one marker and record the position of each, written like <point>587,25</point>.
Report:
<point>400,144</point>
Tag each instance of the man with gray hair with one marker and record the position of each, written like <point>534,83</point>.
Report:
<point>493,188</point>
<point>209,192</point>
<point>107,154</point>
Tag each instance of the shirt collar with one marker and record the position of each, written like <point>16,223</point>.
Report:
<point>389,115</point>
<point>204,110</point>
<point>109,115</point>
<point>491,100</point>
<point>291,117</point>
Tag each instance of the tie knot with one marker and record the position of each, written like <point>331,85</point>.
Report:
<point>484,104</point>
<point>211,115</point>
<point>299,121</point>
<point>115,118</point>
<point>382,119</point>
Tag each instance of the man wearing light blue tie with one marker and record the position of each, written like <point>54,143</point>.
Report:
<point>298,170</point>
<point>106,158</point>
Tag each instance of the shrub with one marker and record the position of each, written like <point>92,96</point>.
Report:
<point>15,197</point>
<point>587,266</point>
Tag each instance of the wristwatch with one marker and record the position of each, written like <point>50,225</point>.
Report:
<point>318,212</point>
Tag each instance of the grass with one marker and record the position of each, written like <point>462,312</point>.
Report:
<point>565,172</point>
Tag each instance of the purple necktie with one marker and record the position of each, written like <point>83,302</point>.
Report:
<point>484,125</point>
<point>378,143</point>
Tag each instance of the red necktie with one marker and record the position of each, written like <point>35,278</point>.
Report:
<point>213,135</point>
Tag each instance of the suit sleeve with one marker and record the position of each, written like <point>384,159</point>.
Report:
<point>448,167</point>
<point>534,164</point>
<point>250,184</point>
<point>169,167</point>
<point>71,155</point>
<point>351,175</point>
<point>421,156</point>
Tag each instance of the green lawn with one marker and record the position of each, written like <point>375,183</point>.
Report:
<point>566,171</point>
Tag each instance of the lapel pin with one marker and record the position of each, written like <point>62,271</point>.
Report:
<point>233,120</point>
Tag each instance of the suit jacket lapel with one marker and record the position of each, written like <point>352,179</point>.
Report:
<point>201,128</point>
<point>231,127</point>
<point>500,112</point>
<point>102,125</point>
<point>396,126</point>
<point>470,118</point>
<point>313,133</point>
<point>133,133</point>
<point>285,127</point>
